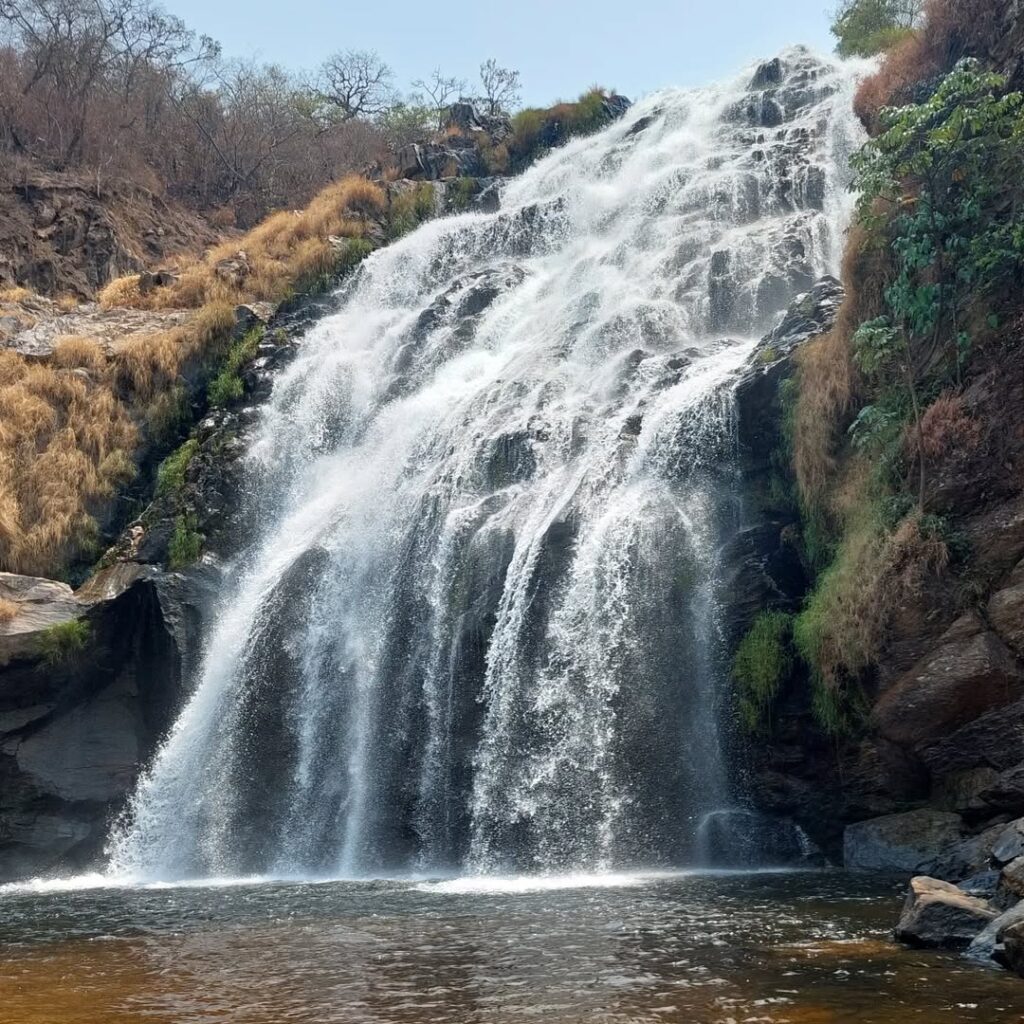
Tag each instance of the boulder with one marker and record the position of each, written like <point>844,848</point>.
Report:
<point>77,726</point>
<point>984,885</point>
<point>1006,611</point>
<point>1012,877</point>
<point>148,280</point>
<point>940,916</point>
<point>970,673</point>
<point>988,943</point>
<point>233,270</point>
<point>1012,954</point>
<point>40,604</point>
<point>913,842</point>
<point>971,855</point>
<point>1009,844</point>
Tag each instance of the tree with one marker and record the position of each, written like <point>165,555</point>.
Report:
<point>500,87</point>
<point>441,90</point>
<point>865,27</point>
<point>73,51</point>
<point>355,83</point>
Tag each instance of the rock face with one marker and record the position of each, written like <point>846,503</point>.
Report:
<point>81,712</point>
<point>939,915</point>
<point>913,842</point>
<point>61,233</point>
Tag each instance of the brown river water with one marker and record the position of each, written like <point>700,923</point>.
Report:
<point>731,949</point>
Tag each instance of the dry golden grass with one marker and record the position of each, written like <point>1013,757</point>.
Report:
<point>8,609</point>
<point>15,294</point>
<point>74,351</point>
<point>67,438</point>
<point>843,627</point>
<point>946,427</point>
<point>951,30</point>
<point>827,379</point>
<point>65,445</point>
<point>825,374</point>
<point>279,251</point>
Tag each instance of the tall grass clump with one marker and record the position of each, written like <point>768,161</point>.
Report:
<point>762,662</point>
<point>66,444</point>
<point>64,642</point>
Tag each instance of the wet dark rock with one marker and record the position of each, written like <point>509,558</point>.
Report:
<point>1006,610</point>
<point>938,915</point>
<point>984,885</point>
<point>743,838</point>
<point>75,732</point>
<point>1012,877</point>
<point>914,841</point>
<point>988,943</point>
<point>1012,953</point>
<point>1009,845</point>
<point>970,673</point>
<point>768,74</point>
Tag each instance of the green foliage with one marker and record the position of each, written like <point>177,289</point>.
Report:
<point>762,662</point>
<point>536,130</point>
<point>227,386</point>
<point>944,180</point>
<point>406,122</point>
<point>410,208</point>
<point>814,633</point>
<point>462,193</point>
<point>865,27</point>
<point>186,542</point>
<point>64,642</point>
<point>355,251</point>
<point>170,477</point>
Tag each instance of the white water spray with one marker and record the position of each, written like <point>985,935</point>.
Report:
<point>479,626</point>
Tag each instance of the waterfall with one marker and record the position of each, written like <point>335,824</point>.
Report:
<point>478,629</point>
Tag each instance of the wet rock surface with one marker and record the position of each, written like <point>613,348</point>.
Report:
<point>939,915</point>
<point>78,719</point>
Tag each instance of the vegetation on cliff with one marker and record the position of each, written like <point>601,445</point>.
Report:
<point>933,272</point>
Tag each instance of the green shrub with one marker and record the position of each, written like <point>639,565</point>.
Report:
<point>355,251</point>
<point>170,477</point>
<point>410,208</point>
<point>64,642</point>
<point>186,542</point>
<point>227,386</point>
<point>762,662</point>
<point>462,192</point>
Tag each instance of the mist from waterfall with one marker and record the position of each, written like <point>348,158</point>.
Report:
<point>479,629</point>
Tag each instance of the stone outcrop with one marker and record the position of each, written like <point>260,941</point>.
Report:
<point>913,842</point>
<point>83,708</point>
<point>65,233</point>
<point>939,915</point>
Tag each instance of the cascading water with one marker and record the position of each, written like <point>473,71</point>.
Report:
<point>478,629</point>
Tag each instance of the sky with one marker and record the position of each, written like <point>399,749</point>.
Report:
<point>560,46</point>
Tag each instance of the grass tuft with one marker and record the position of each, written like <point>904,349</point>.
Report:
<point>64,642</point>
<point>762,662</point>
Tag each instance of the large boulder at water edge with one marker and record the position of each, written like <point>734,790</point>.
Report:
<point>913,842</point>
<point>939,915</point>
<point>91,681</point>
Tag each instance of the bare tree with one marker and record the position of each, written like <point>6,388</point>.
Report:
<point>500,87</point>
<point>441,90</point>
<point>73,50</point>
<point>355,83</point>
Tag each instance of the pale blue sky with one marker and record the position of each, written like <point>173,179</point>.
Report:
<point>560,46</point>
